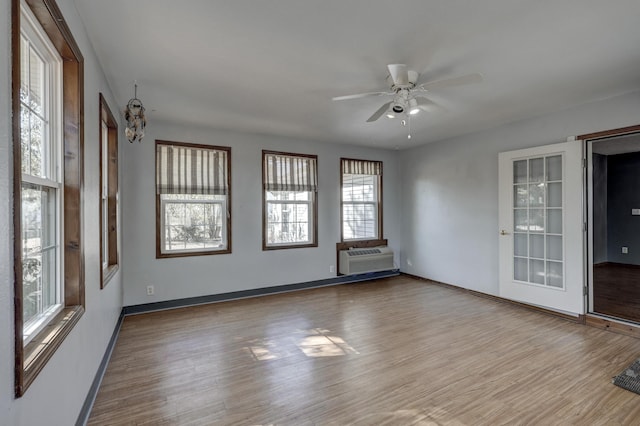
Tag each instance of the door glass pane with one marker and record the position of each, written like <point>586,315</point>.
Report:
<point>536,195</point>
<point>554,247</point>
<point>520,245</point>
<point>537,221</point>
<point>536,246</point>
<point>554,274</point>
<point>554,221</point>
<point>520,195</point>
<point>520,171</point>
<point>554,168</point>
<point>536,170</point>
<point>520,221</point>
<point>536,271</point>
<point>520,269</point>
<point>554,194</point>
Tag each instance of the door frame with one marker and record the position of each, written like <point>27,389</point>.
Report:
<point>587,139</point>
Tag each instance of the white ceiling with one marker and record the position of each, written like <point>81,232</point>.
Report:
<point>272,67</point>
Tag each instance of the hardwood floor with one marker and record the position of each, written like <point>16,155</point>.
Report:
<point>616,290</point>
<point>395,351</point>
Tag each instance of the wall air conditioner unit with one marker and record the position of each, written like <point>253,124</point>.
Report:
<point>363,260</point>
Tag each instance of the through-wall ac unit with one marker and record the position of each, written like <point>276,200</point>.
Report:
<point>363,260</point>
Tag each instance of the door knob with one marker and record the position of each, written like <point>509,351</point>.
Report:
<point>503,232</point>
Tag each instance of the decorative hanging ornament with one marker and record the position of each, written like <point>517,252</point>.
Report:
<point>136,121</point>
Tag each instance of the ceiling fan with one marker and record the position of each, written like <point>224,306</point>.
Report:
<point>406,87</point>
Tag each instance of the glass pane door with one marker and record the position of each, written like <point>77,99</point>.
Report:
<point>537,221</point>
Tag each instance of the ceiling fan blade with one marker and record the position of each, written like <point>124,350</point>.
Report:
<point>399,74</point>
<point>455,81</point>
<point>359,95</point>
<point>428,105</point>
<point>379,112</point>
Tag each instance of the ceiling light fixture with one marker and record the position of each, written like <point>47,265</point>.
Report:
<point>134,115</point>
<point>413,107</point>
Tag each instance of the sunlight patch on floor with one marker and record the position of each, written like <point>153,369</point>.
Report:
<point>314,343</point>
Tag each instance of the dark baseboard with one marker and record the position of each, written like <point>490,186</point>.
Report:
<point>243,294</point>
<point>580,319</point>
<point>83,417</point>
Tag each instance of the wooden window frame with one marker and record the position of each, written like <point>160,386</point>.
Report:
<point>31,359</point>
<point>314,208</point>
<point>159,253</point>
<point>112,261</point>
<point>380,217</point>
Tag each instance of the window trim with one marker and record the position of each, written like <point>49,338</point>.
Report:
<point>112,195</point>
<point>159,240</point>
<point>379,201</point>
<point>313,233</point>
<point>30,359</point>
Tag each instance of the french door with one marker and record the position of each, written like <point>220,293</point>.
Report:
<point>541,227</point>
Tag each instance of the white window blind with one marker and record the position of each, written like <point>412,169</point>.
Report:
<point>191,170</point>
<point>361,167</point>
<point>290,173</point>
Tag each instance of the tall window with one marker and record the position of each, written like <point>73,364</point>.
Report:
<point>47,105</point>
<point>289,200</point>
<point>41,183</point>
<point>193,199</point>
<point>108,193</point>
<point>361,199</point>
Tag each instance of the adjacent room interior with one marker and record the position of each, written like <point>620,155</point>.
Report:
<point>615,181</point>
<point>304,212</point>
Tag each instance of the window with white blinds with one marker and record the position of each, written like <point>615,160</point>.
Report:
<point>193,199</point>
<point>290,183</point>
<point>361,199</point>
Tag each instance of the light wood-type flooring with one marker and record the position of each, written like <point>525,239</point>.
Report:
<point>396,351</point>
<point>616,290</point>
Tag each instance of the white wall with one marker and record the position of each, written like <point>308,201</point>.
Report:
<point>57,394</point>
<point>247,267</point>
<point>450,191</point>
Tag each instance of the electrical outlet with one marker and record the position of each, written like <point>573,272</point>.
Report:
<point>332,268</point>
<point>625,250</point>
<point>150,290</point>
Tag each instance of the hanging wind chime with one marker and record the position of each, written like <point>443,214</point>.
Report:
<point>134,115</point>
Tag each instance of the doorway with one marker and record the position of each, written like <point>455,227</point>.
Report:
<point>613,179</point>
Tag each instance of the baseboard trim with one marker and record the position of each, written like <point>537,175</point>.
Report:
<point>580,319</point>
<point>83,417</point>
<point>243,294</point>
<point>613,325</point>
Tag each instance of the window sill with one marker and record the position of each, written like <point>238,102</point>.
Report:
<point>192,253</point>
<point>108,273</point>
<point>285,247</point>
<point>44,344</point>
<point>345,245</point>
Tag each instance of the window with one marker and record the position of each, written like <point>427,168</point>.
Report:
<point>361,199</point>
<point>289,200</point>
<point>108,193</point>
<point>47,104</point>
<point>41,183</point>
<point>193,196</point>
